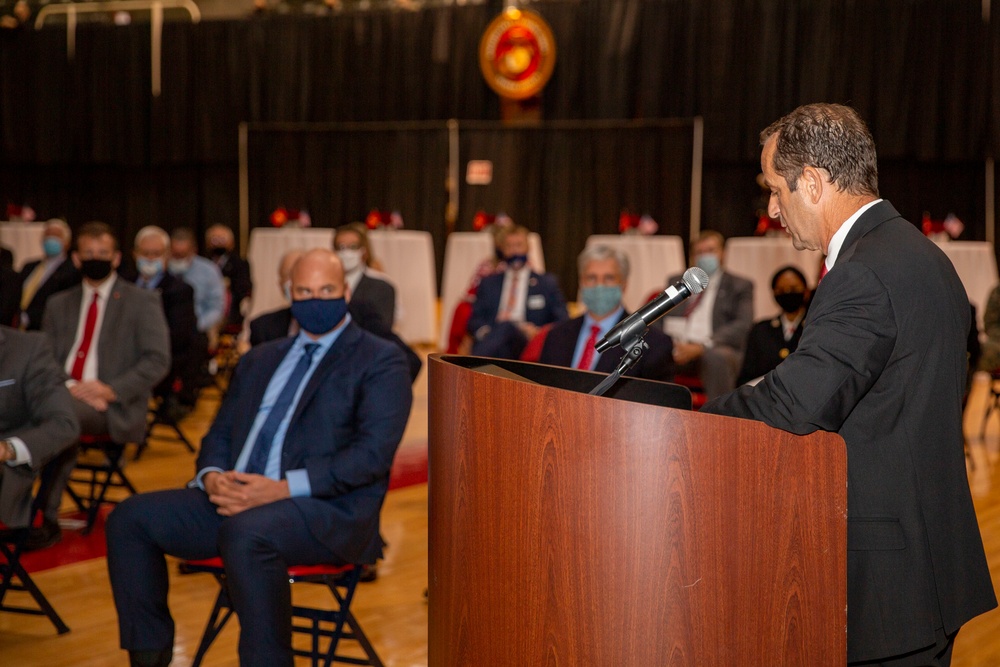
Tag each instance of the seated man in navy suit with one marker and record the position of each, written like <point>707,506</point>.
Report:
<point>603,275</point>
<point>511,306</point>
<point>293,471</point>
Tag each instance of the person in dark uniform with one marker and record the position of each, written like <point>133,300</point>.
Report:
<point>773,339</point>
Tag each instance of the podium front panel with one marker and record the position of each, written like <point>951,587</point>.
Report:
<point>578,530</point>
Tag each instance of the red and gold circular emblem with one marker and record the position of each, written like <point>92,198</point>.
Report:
<point>517,54</point>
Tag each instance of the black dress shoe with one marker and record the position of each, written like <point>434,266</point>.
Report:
<point>43,536</point>
<point>150,658</point>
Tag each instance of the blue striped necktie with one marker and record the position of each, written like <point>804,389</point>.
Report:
<point>257,462</point>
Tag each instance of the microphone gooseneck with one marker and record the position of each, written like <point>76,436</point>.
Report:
<point>694,281</point>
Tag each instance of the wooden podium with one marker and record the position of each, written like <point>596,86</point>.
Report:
<point>568,529</point>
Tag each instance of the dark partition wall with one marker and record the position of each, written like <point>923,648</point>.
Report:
<point>568,180</point>
<point>920,71</point>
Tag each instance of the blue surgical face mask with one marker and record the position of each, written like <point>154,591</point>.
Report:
<point>516,261</point>
<point>148,267</point>
<point>52,246</point>
<point>601,299</point>
<point>709,263</point>
<point>319,316</point>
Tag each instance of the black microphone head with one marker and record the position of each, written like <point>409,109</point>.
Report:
<point>695,279</point>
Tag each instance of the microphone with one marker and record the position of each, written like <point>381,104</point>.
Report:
<point>693,282</point>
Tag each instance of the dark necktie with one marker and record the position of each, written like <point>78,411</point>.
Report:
<point>257,462</point>
<point>88,338</point>
<point>588,348</point>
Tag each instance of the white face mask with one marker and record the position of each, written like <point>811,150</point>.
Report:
<point>179,266</point>
<point>351,259</point>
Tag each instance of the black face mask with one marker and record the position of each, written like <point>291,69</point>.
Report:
<point>95,269</point>
<point>790,301</point>
<point>217,252</point>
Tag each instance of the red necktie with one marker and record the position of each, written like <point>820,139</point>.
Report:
<point>588,348</point>
<point>822,272</point>
<point>88,335</point>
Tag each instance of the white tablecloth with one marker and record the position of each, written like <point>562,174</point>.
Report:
<point>757,258</point>
<point>24,240</point>
<point>652,260</point>
<point>976,264</point>
<point>463,253</point>
<point>407,257</point>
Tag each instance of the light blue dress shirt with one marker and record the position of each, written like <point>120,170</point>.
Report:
<point>581,340</point>
<point>209,291</point>
<point>298,480</point>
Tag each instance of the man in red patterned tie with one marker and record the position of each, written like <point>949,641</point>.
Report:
<point>112,340</point>
<point>603,275</point>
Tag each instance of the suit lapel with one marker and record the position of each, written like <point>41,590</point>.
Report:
<point>66,325</point>
<point>341,348</point>
<point>265,371</point>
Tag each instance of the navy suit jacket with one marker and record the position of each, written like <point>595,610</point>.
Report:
<point>344,433</point>
<point>543,304</point>
<point>657,363</point>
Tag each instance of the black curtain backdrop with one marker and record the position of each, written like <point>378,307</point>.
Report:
<point>84,138</point>
<point>340,173</point>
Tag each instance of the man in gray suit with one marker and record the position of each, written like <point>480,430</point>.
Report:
<point>113,340</point>
<point>710,330</point>
<point>36,419</point>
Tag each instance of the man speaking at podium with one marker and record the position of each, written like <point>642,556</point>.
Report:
<point>882,362</point>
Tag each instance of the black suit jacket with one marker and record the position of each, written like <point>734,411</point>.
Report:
<point>188,347</point>
<point>767,347</point>
<point>270,326</point>
<point>64,277</point>
<point>378,298</point>
<point>885,371</point>
<point>236,271</point>
<point>10,296</point>
<point>657,363</point>
<point>274,325</point>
